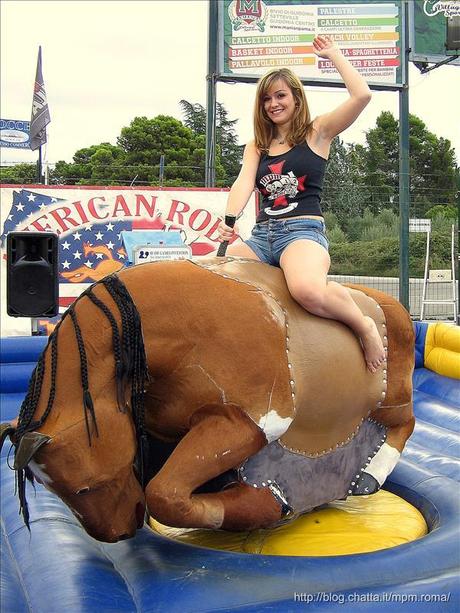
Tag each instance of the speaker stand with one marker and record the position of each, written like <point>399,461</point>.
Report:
<point>34,326</point>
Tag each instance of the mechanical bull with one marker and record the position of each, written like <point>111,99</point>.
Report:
<point>215,358</point>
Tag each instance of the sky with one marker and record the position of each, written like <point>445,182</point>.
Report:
<point>106,62</point>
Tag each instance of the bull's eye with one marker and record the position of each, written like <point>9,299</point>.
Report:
<point>84,490</point>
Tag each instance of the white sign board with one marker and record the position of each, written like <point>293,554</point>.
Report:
<point>419,225</point>
<point>155,253</point>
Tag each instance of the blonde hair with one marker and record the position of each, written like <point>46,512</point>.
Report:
<point>264,128</point>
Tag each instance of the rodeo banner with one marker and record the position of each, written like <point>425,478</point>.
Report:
<point>89,222</point>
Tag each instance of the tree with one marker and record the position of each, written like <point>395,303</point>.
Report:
<point>228,153</point>
<point>231,152</point>
<point>144,141</point>
<point>433,169</point>
<point>446,212</point>
<point>381,163</point>
<point>102,164</point>
<point>18,174</point>
<point>195,116</point>
<point>343,192</point>
<point>135,159</point>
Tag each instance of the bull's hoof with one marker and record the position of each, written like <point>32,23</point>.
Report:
<point>365,486</point>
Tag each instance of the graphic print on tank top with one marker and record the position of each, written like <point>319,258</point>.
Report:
<point>278,188</point>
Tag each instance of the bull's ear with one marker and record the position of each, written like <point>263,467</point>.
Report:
<point>29,444</point>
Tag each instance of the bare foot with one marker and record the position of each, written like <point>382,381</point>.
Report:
<point>374,351</point>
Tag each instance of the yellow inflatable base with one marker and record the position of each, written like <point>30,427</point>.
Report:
<point>356,525</point>
<point>442,350</point>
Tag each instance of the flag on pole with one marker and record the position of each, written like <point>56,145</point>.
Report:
<point>40,112</point>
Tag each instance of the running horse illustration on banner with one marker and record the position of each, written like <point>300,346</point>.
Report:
<point>216,362</point>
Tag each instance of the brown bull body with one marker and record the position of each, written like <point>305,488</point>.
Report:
<point>240,377</point>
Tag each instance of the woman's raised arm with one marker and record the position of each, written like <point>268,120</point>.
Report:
<point>338,120</point>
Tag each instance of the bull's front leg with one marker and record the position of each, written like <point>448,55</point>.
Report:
<point>221,437</point>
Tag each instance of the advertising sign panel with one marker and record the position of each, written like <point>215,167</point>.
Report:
<point>14,133</point>
<point>428,30</point>
<point>258,35</point>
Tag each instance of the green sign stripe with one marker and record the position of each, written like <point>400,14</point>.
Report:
<point>365,21</point>
<point>267,40</point>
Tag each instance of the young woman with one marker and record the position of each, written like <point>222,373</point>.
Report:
<point>287,162</point>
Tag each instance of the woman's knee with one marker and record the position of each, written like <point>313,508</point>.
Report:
<point>311,297</point>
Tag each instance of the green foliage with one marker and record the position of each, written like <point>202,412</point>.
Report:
<point>343,191</point>
<point>447,212</point>
<point>389,220</point>
<point>369,245</point>
<point>96,165</point>
<point>145,140</point>
<point>195,116</point>
<point>440,251</point>
<point>381,257</point>
<point>381,162</point>
<point>443,225</point>
<point>331,220</point>
<point>376,258</point>
<point>385,224</point>
<point>18,174</point>
<point>229,154</point>
<point>135,159</point>
<point>433,169</point>
<point>356,226</point>
<point>336,235</point>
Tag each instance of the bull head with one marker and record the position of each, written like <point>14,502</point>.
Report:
<point>89,504</point>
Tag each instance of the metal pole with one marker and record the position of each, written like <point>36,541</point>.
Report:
<point>211,78</point>
<point>425,274</point>
<point>452,256</point>
<point>39,165</point>
<point>162,169</point>
<point>404,194</point>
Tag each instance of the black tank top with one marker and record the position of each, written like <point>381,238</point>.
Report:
<point>290,183</point>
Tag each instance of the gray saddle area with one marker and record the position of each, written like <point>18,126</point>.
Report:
<point>302,483</point>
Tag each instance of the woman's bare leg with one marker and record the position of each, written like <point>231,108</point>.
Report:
<point>241,250</point>
<point>305,265</point>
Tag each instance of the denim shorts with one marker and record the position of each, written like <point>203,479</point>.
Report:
<point>270,238</point>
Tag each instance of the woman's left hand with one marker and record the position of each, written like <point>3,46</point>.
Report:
<point>324,46</point>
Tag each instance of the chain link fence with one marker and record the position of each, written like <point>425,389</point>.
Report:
<point>372,259</point>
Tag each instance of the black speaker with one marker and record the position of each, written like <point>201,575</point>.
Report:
<point>32,288</point>
<point>453,33</point>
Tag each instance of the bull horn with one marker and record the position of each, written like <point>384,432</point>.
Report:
<point>6,429</point>
<point>29,444</point>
